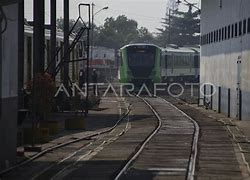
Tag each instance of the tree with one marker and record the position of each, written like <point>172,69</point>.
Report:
<point>181,28</point>
<point>60,23</point>
<point>117,32</point>
<point>144,36</point>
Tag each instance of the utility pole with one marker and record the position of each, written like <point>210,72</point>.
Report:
<point>1,19</point>
<point>92,29</point>
<point>66,43</point>
<point>20,44</point>
<point>39,37</point>
<point>38,56</point>
<point>87,80</point>
<point>92,34</point>
<point>169,19</point>
<point>53,36</point>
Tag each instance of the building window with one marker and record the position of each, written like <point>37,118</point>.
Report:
<point>225,35</point>
<point>214,36</point>
<point>244,26</point>
<point>240,28</point>
<point>235,30</point>
<point>217,35</point>
<point>232,31</point>
<point>222,34</point>
<point>228,31</point>
<point>220,4</point>
<point>248,25</point>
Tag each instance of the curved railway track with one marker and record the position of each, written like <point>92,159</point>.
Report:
<point>66,144</point>
<point>166,148</point>
<point>190,169</point>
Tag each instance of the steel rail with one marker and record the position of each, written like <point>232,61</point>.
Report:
<point>75,152</point>
<point>194,151</point>
<point>50,149</point>
<point>61,174</point>
<point>151,135</point>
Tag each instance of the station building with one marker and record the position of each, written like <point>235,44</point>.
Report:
<point>225,55</point>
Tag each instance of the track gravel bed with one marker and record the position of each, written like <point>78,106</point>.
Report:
<point>167,154</point>
<point>217,158</point>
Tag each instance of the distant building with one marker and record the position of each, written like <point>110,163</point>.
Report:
<point>102,57</point>
<point>225,55</point>
<point>9,87</point>
<point>104,61</point>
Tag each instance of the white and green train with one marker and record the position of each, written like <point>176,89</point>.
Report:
<point>140,64</point>
<point>149,64</point>
<point>180,64</point>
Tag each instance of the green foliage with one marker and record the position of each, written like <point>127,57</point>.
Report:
<point>118,32</point>
<point>43,91</point>
<point>115,32</point>
<point>181,28</point>
<point>71,24</point>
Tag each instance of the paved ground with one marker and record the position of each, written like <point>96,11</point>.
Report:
<point>111,110</point>
<point>221,157</point>
<point>240,135</point>
<point>240,132</point>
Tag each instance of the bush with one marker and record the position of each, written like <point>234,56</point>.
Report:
<point>42,94</point>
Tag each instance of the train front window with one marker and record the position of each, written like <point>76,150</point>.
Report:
<point>141,59</point>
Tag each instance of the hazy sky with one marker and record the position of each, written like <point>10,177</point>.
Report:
<point>147,13</point>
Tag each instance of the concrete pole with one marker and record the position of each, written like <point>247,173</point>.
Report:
<point>87,80</point>
<point>38,56</point>
<point>169,31</point>
<point>53,36</point>
<point>39,37</point>
<point>0,68</point>
<point>20,54</point>
<point>92,35</point>
<point>20,45</point>
<point>66,42</point>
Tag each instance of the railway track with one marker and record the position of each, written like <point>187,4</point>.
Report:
<point>62,154</point>
<point>156,140</point>
<point>218,156</point>
<point>174,158</point>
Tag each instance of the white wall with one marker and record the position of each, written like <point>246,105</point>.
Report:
<point>103,53</point>
<point>219,59</point>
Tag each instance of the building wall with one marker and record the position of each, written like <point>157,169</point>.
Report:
<point>219,60</point>
<point>8,121</point>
